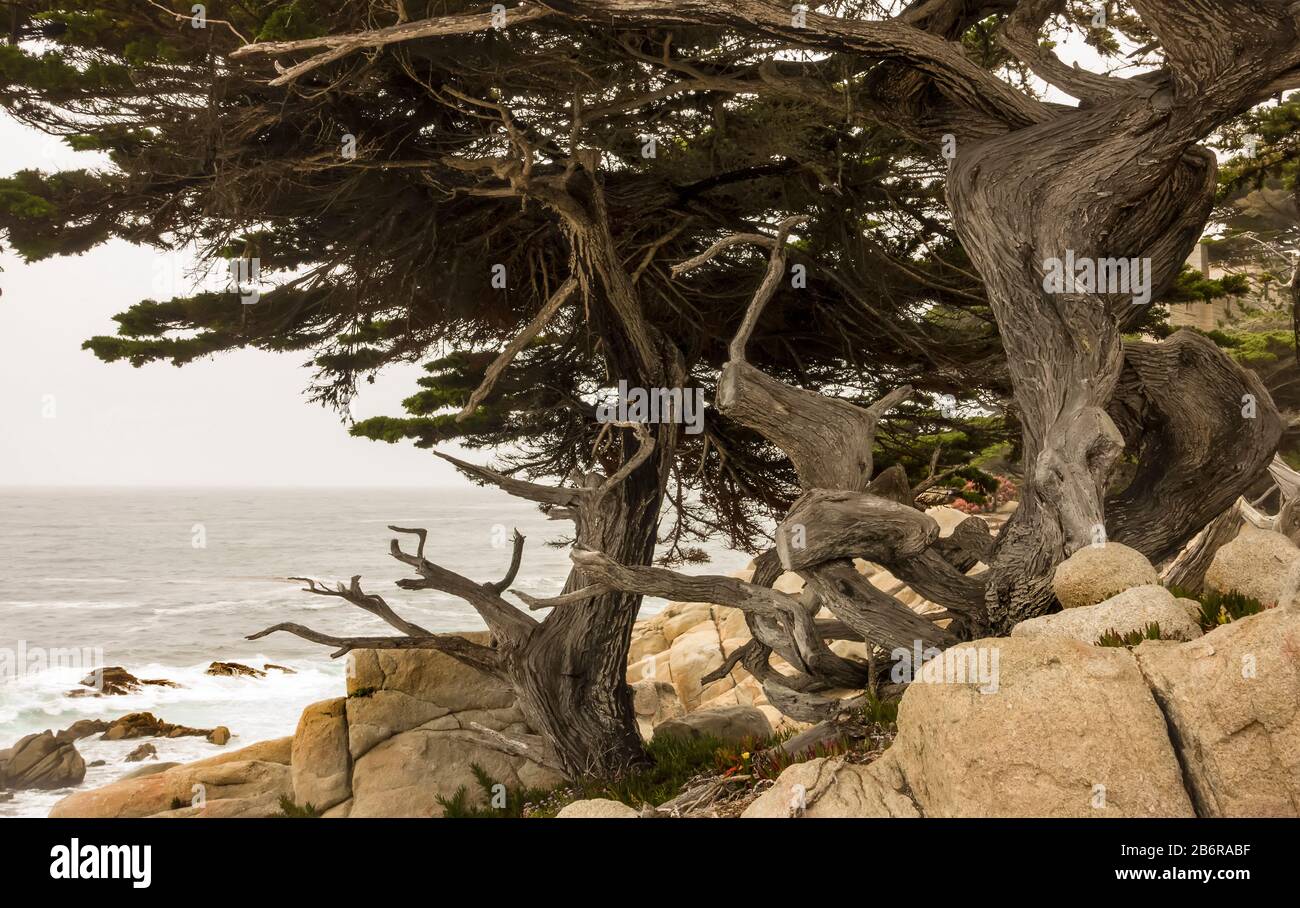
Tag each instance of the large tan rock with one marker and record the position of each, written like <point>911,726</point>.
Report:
<point>656,667</point>
<point>428,675</point>
<point>654,702</point>
<point>690,658</point>
<point>789,582</point>
<point>1233,701</point>
<point>679,618</point>
<point>41,761</point>
<point>256,807</point>
<point>1095,573</point>
<point>1071,731</point>
<point>1131,610</point>
<point>947,518</point>
<point>647,640</point>
<point>405,775</point>
<point>320,763</point>
<point>339,811</point>
<point>375,717</point>
<point>257,775</point>
<point>392,691</point>
<point>147,725</point>
<point>730,724</point>
<point>596,809</point>
<point>410,717</point>
<point>829,787</point>
<point>1254,564</point>
<point>731,624</point>
<point>275,750</point>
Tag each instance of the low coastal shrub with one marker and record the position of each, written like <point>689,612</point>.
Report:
<point>676,762</point>
<point>772,763</point>
<point>1225,608</point>
<point>1221,608</point>
<point>296,811</point>
<point>1113,637</point>
<point>880,712</point>
<point>876,728</point>
<point>502,802</point>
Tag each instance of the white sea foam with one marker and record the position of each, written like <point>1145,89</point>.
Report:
<point>254,709</point>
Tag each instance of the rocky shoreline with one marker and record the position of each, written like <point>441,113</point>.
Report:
<point>1046,722</point>
<point>49,760</point>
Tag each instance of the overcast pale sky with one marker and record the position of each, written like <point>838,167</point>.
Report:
<point>239,419</point>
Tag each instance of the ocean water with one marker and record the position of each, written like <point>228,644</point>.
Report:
<point>165,581</point>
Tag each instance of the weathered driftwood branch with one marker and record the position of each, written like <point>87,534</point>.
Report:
<point>533,491</point>
<point>501,617</point>
<point>371,603</point>
<point>645,448</point>
<point>584,594</point>
<point>1287,479</point>
<point>892,484</point>
<point>1019,35</point>
<point>516,556</point>
<point>569,502</point>
<point>1187,570</point>
<point>931,575</point>
<point>830,444</point>
<point>810,652</point>
<point>824,525</point>
<point>1201,426</point>
<point>828,441</point>
<point>766,290</point>
<point>974,537</point>
<point>507,623</point>
<point>475,655</point>
<point>874,614</point>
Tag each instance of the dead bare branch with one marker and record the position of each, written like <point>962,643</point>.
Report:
<point>585,594</point>
<point>475,655</point>
<point>369,602</point>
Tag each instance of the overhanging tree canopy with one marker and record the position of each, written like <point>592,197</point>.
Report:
<point>522,146</point>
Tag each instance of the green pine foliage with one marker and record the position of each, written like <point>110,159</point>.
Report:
<point>373,265</point>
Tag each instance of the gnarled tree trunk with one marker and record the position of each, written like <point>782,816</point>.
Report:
<point>571,676</point>
<point>1032,196</point>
